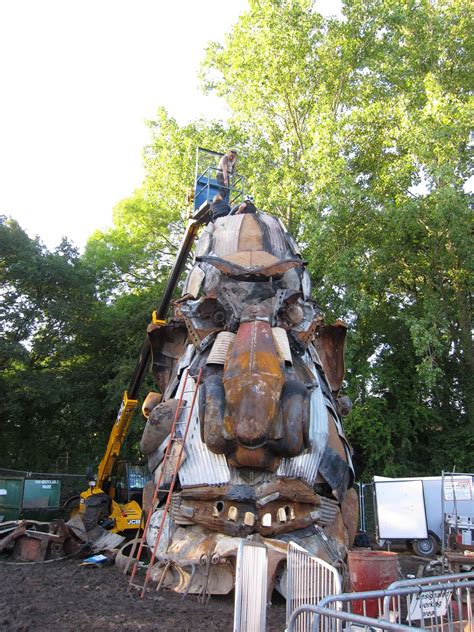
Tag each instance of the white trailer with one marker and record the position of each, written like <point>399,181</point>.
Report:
<point>421,509</point>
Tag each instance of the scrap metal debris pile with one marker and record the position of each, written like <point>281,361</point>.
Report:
<point>265,455</point>
<point>34,541</point>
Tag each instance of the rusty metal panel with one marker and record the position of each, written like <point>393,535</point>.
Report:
<point>280,246</point>
<point>250,237</point>
<point>329,343</point>
<point>252,360</point>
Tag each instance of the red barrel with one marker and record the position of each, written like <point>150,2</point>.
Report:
<point>371,570</point>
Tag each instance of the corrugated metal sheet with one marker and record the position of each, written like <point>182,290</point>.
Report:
<point>328,510</point>
<point>220,348</point>
<point>306,465</point>
<point>201,466</point>
<point>281,340</point>
<point>249,476</point>
<point>250,611</point>
<point>226,235</point>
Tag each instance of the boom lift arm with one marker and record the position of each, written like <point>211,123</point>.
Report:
<point>99,501</point>
<point>130,396</point>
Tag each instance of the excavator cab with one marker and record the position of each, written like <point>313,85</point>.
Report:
<point>130,481</point>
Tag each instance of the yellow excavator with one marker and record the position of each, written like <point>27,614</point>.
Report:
<point>114,495</point>
<point>113,498</point>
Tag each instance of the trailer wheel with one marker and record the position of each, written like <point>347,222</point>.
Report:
<point>426,547</point>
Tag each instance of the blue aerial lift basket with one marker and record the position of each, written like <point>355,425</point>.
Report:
<point>206,185</point>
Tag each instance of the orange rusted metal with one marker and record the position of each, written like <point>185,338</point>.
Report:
<point>253,381</point>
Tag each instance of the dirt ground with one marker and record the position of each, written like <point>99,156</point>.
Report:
<point>65,596</point>
<point>62,596</point>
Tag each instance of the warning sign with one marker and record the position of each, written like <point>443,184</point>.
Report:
<point>457,489</point>
<point>428,605</point>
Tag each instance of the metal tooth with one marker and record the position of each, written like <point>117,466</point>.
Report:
<point>249,519</point>
<point>281,514</point>
<point>267,520</point>
<point>233,514</point>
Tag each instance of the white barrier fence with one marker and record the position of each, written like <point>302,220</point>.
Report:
<point>250,611</point>
<point>309,579</point>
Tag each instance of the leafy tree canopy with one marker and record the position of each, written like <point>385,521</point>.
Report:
<point>356,132</point>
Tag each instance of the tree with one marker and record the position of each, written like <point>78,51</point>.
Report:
<point>46,378</point>
<point>377,128</point>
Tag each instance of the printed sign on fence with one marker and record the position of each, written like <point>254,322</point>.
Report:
<point>429,604</point>
<point>457,489</point>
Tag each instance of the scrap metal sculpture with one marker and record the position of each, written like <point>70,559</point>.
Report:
<point>266,457</point>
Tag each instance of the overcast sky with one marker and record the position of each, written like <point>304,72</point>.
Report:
<point>77,81</point>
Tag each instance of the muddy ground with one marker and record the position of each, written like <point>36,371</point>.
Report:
<point>63,596</point>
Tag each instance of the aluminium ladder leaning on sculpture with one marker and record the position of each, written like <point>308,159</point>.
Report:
<point>170,465</point>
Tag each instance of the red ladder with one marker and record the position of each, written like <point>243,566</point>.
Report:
<point>168,456</point>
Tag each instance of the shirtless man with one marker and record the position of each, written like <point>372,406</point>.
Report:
<point>224,170</point>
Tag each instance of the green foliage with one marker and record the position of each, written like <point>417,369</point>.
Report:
<point>361,127</point>
<point>47,302</point>
<point>356,132</point>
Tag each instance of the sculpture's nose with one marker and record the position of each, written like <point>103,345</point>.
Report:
<point>253,381</point>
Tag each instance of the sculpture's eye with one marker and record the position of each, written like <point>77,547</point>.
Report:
<point>293,314</point>
<point>211,310</point>
<point>219,317</point>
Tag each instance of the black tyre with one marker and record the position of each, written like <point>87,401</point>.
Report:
<point>71,507</point>
<point>96,510</point>
<point>427,547</point>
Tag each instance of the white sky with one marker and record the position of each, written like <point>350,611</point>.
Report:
<point>77,81</point>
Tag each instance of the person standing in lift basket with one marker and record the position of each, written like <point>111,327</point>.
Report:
<point>225,170</point>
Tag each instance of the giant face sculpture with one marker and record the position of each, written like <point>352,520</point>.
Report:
<point>266,452</point>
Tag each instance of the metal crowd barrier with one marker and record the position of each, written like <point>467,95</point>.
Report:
<point>432,608</point>
<point>309,579</point>
<point>250,611</point>
<point>438,610</point>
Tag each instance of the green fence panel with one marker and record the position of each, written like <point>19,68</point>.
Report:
<point>10,498</point>
<point>41,493</point>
